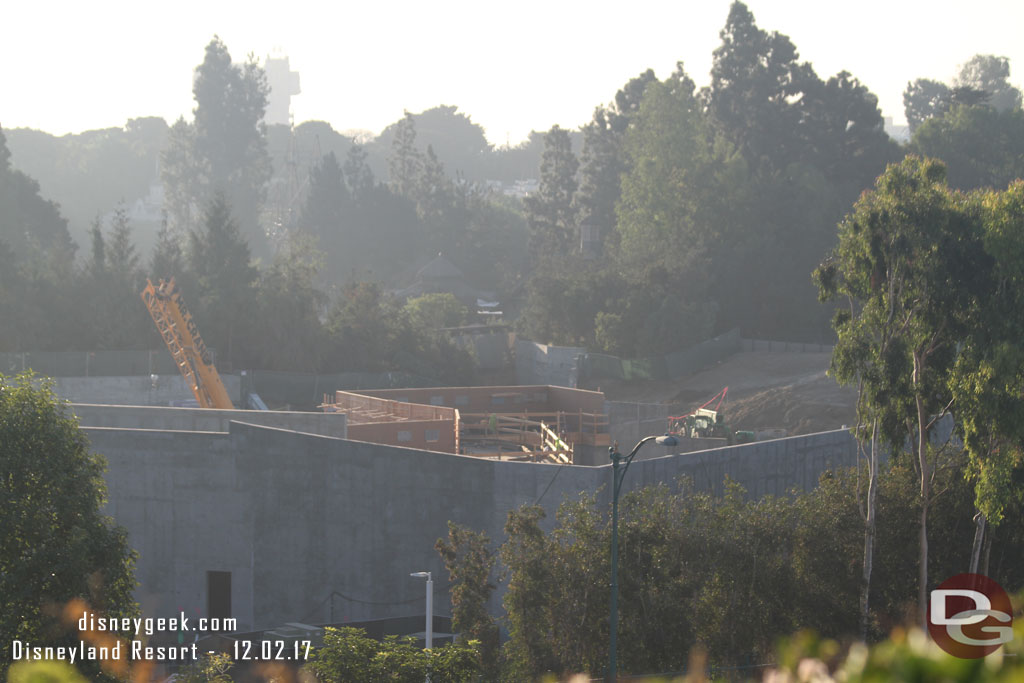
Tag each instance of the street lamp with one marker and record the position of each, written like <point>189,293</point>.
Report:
<point>430,607</point>
<point>618,472</point>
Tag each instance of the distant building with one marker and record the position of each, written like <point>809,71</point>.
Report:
<point>899,133</point>
<point>284,83</point>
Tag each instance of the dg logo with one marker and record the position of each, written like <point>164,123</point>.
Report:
<point>970,616</point>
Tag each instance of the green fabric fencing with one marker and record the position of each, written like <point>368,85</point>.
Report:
<point>89,363</point>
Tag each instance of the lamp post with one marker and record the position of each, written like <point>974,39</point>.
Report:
<point>619,467</point>
<point>429,639</point>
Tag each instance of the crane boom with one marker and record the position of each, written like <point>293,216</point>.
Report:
<point>194,360</point>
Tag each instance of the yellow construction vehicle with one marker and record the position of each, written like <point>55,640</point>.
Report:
<point>175,324</point>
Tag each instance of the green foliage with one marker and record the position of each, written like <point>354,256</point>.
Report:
<point>436,310</point>
<point>602,161</point>
<point>469,560</point>
<point>406,162</point>
<point>563,303</point>
<point>982,146</point>
<point>56,545</point>
<point>27,220</point>
<point>529,650</point>
<point>109,286</point>
<point>451,133</point>
<point>755,81</point>
<point>210,668</point>
<point>551,212</point>
<point>349,655</point>
<point>220,261</point>
<point>990,74</point>
<point>671,178</point>
<point>905,656</point>
<point>290,336</point>
<point>89,173</point>
<point>910,262</point>
<point>224,152</point>
<point>989,375</point>
<point>723,572</point>
<point>924,99</point>
<point>46,671</point>
<point>371,332</point>
<point>912,267</point>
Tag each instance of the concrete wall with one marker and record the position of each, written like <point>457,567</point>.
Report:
<point>205,419</point>
<point>501,399</point>
<point>140,390</point>
<point>491,351</point>
<point>431,435</point>
<point>544,364</point>
<point>629,422</point>
<point>294,516</point>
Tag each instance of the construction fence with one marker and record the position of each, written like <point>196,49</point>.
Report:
<point>595,367</point>
<point>89,363</point>
<point>305,391</point>
<point>787,347</point>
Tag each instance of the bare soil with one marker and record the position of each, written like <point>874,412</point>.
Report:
<point>767,390</point>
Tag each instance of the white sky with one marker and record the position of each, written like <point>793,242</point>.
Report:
<point>512,66</point>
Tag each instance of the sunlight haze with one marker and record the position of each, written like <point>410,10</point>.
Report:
<point>512,67</point>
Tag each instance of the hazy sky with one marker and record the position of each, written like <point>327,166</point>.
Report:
<point>511,66</point>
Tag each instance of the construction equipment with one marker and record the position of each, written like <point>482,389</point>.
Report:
<point>179,332</point>
<point>707,422</point>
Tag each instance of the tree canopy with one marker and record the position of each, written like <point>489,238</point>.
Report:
<point>57,545</point>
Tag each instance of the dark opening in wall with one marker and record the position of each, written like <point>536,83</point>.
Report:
<point>218,595</point>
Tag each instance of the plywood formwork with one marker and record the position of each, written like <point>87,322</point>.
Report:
<point>534,422</point>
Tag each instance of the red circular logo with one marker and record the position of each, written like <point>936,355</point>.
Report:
<point>970,616</point>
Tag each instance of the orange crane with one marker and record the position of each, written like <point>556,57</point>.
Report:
<point>194,361</point>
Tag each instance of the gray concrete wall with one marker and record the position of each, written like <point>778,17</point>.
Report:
<point>139,390</point>
<point>294,516</point>
<point>545,364</point>
<point>629,422</point>
<point>206,419</point>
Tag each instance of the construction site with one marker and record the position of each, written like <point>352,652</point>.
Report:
<point>317,516</point>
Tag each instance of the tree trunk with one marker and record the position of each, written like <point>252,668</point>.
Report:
<point>979,536</point>
<point>922,454</point>
<point>869,534</point>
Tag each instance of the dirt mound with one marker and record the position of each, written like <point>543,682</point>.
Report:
<point>767,390</point>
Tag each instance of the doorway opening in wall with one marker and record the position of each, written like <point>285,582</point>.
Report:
<point>218,595</point>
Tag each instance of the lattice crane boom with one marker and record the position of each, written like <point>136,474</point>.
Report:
<point>194,360</point>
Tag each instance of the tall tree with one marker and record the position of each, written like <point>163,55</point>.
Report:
<point>844,133</point>
<point>358,175</point>
<point>57,546</point>
<point>326,204</point>
<point>470,561</point>
<point>989,376</point>
<point>551,211</point>
<point>924,99</point>
<point>755,77</point>
<point>990,74</point>
<point>602,161</point>
<point>453,135</point>
<point>406,161</point>
<point>982,146</point>
<point>911,262</point>
<point>27,220</point>
<point>111,283</point>
<point>222,264</point>
<point>224,150</point>
<point>290,336</point>
<point>167,259</point>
